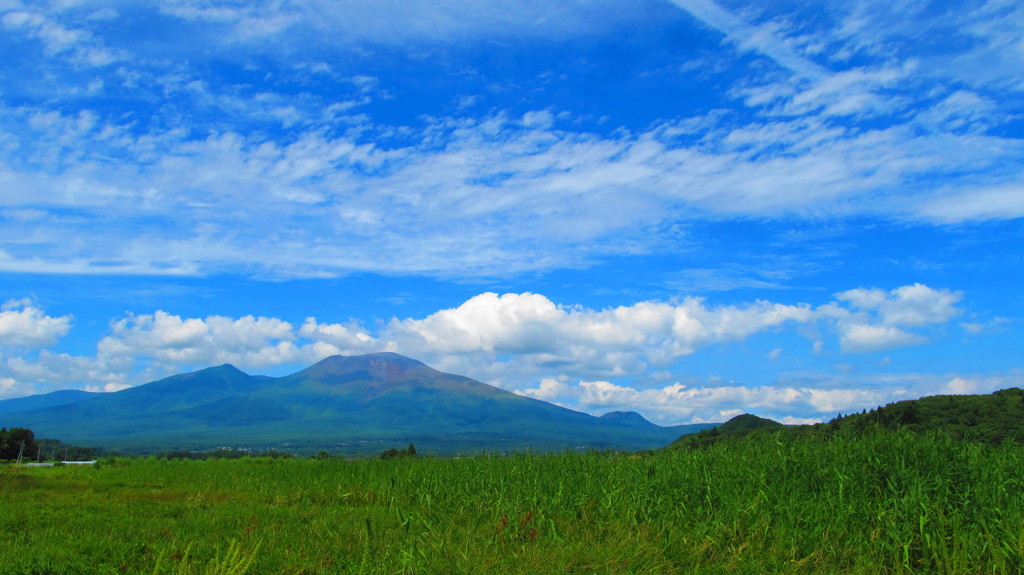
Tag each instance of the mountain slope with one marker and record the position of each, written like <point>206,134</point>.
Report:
<point>358,404</point>
<point>52,399</point>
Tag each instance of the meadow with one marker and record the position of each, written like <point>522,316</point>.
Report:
<point>879,502</point>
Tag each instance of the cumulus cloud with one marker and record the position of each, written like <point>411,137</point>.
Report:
<point>615,341</point>
<point>712,403</point>
<point>624,357</point>
<point>858,337</point>
<point>812,400</point>
<point>876,320</point>
<point>143,348</point>
<point>911,305</point>
<point>342,337</point>
<point>172,340</point>
<point>46,371</point>
<point>550,390</point>
<point>628,339</point>
<point>22,324</point>
<point>982,383</point>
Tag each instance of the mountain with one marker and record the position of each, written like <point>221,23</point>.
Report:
<point>631,418</point>
<point>360,404</point>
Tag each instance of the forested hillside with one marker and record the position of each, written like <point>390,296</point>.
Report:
<point>991,418</point>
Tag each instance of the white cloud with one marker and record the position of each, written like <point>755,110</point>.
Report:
<point>338,339</point>
<point>59,40</point>
<point>876,319</point>
<point>624,357</point>
<point>92,265</point>
<point>504,339</point>
<point>629,339</point>
<point>960,110</point>
<point>851,92</point>
<point>996,29</point>
<point>490,196</point>
<point>1005,201</point>
<point>916,305</point>
<point>994,325</point>
<point>764,39</point>
<point>106,388</point>
<point>811,400</point>
<point>172,340</point>
<point>529,183</point>
<point>48,371</point>
<point>982,383</point>
<point>614,341</point>
<point>856,337</point>
<point>22,324</point>
<point>678,403</point>
<point>402,22</point>
<point>960,386</point>
<point>550,390</point>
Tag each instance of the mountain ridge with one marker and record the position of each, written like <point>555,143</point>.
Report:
<point>342,404</point>
<point>52,399</point>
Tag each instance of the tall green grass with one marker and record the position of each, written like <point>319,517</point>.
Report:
<point>886,502</point>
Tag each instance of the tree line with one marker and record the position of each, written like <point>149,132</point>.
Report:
<point>18,442</point>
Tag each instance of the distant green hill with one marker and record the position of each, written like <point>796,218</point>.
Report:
<point>745,423</point>
<point>344,405</point>
<point>735,427</point>
<point>990,418</point>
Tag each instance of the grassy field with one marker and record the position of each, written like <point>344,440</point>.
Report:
<point>885,502</point>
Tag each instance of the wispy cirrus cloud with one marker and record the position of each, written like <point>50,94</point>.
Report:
<point>390,22</point>
<point>475,193</point>
<point>77,44</point>
<point>765,38</point>
<point>293,172</point>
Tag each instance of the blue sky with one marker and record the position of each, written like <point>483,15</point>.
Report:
<point>686,208</point>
